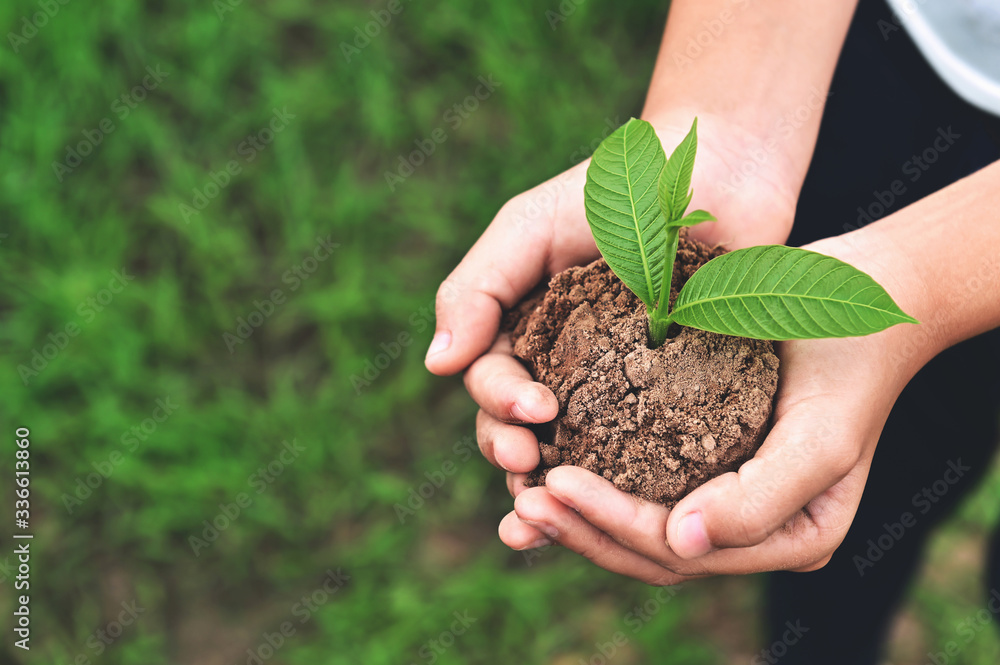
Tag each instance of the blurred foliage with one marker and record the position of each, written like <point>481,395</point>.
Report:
<point>128,166</point>
<point>121,488</point>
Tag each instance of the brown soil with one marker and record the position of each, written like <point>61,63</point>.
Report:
<point>658,423</point>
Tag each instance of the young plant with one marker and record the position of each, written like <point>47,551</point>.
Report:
<point>636,201</point>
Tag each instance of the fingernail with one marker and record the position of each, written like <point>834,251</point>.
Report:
<point>541,542</point>
<point>692,536</point>
<point>441,341</point>
<point>547,529</point>
<point>519,413</point>
<point>529,405</point>
<point>567,502</point>
<point>530,401</point>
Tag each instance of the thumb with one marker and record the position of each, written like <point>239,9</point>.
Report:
<point>537,233</point>
<point>507,261</point>
<point>802,457</point>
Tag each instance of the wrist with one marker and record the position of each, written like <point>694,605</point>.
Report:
<point>903,348</point>
<point>764,68</point>
<point>747,181</point>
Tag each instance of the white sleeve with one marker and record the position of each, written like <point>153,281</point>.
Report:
<point>961,41</point>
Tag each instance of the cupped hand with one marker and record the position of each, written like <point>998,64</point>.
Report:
<point>544,231</point>
<point>788,508</point>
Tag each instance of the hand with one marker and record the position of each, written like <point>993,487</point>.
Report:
<point>544,231</point>
<point>788,508</point>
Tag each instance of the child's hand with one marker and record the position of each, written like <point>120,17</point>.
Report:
<point>790,506</point>
<point>544,231</point>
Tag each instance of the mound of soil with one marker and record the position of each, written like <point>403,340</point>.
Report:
<point>656,422</point>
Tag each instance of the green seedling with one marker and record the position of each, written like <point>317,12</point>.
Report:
<point>636,202</point>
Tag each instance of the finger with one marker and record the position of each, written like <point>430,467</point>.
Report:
<point>634,523</point>
<point>802,457</point>
<point>538,508</point>
<point>503,265</point>
<point>504,388</point>
<point>813,566</point>
<point>804,543</point>
<point>517,535</point>
<point>538,233</point>
<point>508,447</point>
<point>516,483</point>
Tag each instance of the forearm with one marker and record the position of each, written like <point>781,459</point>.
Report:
<point>940,260</point>
<point>765,65</point>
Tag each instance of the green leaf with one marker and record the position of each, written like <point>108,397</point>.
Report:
<point>779,293</point>
<point>620,199</point>
<point>675,181</point>
<point>695,217</point>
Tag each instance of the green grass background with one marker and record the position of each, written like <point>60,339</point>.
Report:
<point>332,507</point>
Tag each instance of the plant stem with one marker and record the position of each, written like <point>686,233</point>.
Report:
<point>658,330</point>
<point>659,318</point>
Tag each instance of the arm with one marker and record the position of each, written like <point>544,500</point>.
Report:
<point>770,60</point>
<point>944,252</point>
<point>758,85</point>
<point>764,65</point>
